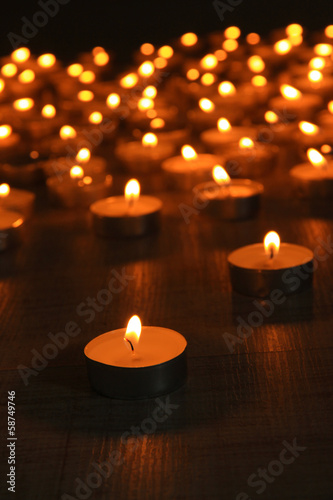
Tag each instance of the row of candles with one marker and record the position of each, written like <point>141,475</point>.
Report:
<point>211,100</point>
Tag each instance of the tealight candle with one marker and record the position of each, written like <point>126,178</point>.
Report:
<point>296,104</point>
<point>313,179</point>
<point>93,165</point>
<point>17,200</point>
<point>230,199</point>
<point>217,139</point>
<point>184,172</point>
<point>10,228</point>
<point>270,267</point>
<point>144,156</point>
<point>136,362</point>
<point>126,216</point>
<point>77,189</point>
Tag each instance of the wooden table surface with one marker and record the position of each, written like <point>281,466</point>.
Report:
<point>242,405</point>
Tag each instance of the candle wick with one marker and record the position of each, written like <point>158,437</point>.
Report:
<point>130,343</point>
<point>271,255</point>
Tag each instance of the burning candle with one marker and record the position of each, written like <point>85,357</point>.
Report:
<point>126,216</point>
<point>296,104</point>
<point>217,139</point>
<point>313,179</point>
<point>77,189</point>
<point>137,362</point>
<point>271,268</point>
<point>185,171</point>
<point>16,200</point>
<point>227,198</point>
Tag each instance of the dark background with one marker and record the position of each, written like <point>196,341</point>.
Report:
<point>123,25</point>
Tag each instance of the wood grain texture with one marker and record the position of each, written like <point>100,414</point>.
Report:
<point>238,406</point>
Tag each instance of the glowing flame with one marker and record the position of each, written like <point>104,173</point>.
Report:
<point>132,191</point>
<point>87,76</point>
<point>129,81</point>
<point>160,62</point>
<point>67,132</point>
<point>329,31</point>
<point>271,117</point>
<point>256,64</point>
<point>101,58</point>
<point>2,84</point>
<point>83,156</point>
<point>272,244</point>
<point>149,140</point>
<point>76,172</point>
<point>209,61</point>
<point>95,117</point>
<point>145,103</point>
<point>20,55</point>
<point>294,30</point>
<point>150,91</point>
<point>282,46</point>
<point>326,149</point>
<point>323,49</point>
<point>9,70</point>
<point>113,100</point>
<point>230,45</point>
<point>232,32</point>
<point>157,123</point>
<point>308,128</point>
<point>46,60</point>
<point>5,131</point>
<point>133,332</point>
<point>220,176</point>
<point>188,39</point>
<point>259,81</point>
<point>85,95</point>
<point>151,113</point>
<point>315,76</point>
<point>253,38</point>
<point>147,68</point>
<point>75,70</point>
<point>208,79</point>
<point>290,93</point>
<point>330,107</point>
<point>317,63</point>
<point>4,190</point>
<point>220,54</point>
<point>206,105</point>
<point>147,49</point>
<point>192,74</point>
<point>316,159</point>
<point>87,180</point>
<point>23,104</point>
<point>166,51</point>
<point>246,143</point>
<point>223,125</point>
<point>188,153</point>
<point>48,111</point>
<point>27,76</point>
<point>226,88</point>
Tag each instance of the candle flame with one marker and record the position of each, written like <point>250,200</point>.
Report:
<point>147,68</point>
<point>133,332</point>
<point>147,49</point>
<point>145,103</point>
<point>150,92</point>
<point>221,54</point>
<point>317,63</point>
<point>323,49</point>
<point>83,156</point>
<point>316,158</point>
<point>166,51</point>
<point>20,55</point>
<point>330,107</point>
<point>259,81</point>
<point>329,31</point>
<point>315,75</point>
<point>67,132</point>
<point>253,38</point>
<point>85,95</point>
<point>206,105</point>
<point>208,79</point>
<point>271,117</point>
<point>188,39</point>
<point>282,46</point>
<point>76,172</point>
<point>209,61</point>
<point>132,191</point>
<point>23,104</point>
<point>272,244</point>
<point>294,29</point>
<point>27,76</point>
<point>2,84</point>
<point>75,69</point>
<point>46,60</point>
<point>226,88</point>
<point>246,143</point>
<point>113,100</point>
<point>188,153</point>
<point>129,81</point>
<point>160,62</point>
<point>149,140</point>
<point>5,131</point>
<point>308,128</point>
<point>9,70</point>
<point>87,76</point>
<point>223,125</point>
<point>220,175</point>
<point>256,64</point>
<point>232,32</point>
<point>230,45</point>
<point>326,149</point>
<point>48,111</point>
<point>4,190</point>
<point>157,123</point>
<point>192,74</point>
<point>101,59</point>
<point>290,93</point>
<point>95,117</point>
